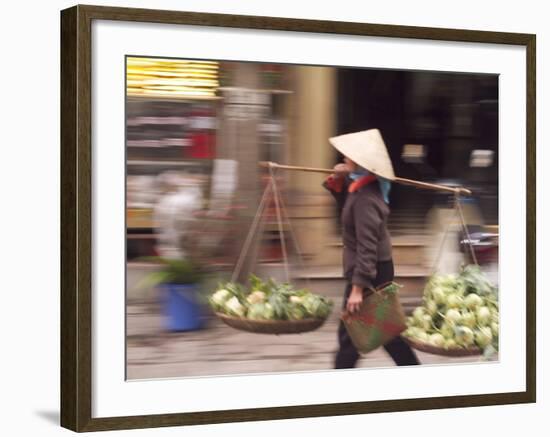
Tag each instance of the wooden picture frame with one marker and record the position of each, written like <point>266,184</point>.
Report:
<point>76,217</point>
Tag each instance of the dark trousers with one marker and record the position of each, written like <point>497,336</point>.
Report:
<point>347,355</point>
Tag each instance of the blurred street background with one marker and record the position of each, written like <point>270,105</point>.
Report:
<point>195,132</point>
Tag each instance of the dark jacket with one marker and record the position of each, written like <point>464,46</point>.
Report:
<point>364,217</point>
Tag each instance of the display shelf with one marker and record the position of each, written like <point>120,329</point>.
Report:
<point>171,98</point>
<point>162,163</point>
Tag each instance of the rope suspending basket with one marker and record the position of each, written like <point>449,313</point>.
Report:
<point>269,307</point>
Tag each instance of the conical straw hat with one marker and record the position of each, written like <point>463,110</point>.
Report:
<point>367,149</point>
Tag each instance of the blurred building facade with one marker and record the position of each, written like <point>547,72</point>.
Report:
<point>243,113</point>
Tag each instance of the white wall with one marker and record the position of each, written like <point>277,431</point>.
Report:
<point>29,216</point>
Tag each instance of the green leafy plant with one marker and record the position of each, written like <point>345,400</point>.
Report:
<point>172,271</point>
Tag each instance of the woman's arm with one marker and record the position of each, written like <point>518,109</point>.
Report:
<point>368,222</point>
<point>368,219</point>
<point>337,185</point>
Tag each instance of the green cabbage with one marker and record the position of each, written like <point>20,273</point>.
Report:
<point>234,307</point>
<point>472,301</point>
<point>260,311</point>
<point>447,330</point>
<point>450,343</point>
<point>256,296</point>
<point>437,295</point>
<point>454,300</point>
<point>296,312</point>
<point>483,336</point>
<point>453,316</point>
<point>483,315</point>
<point>422,336</point>
<point>218,299</point>
<point>464,336</point>
<point>296,299</point>
<point>418,314</point>
<point>316,306</point>
<point>468,319</point>
<point>431,307</point>
<point>437,340</point>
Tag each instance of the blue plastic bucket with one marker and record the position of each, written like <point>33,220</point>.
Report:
<point>182,309</point>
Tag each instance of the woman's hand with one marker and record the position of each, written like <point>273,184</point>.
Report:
<point>340,170</point>
<point>355,299</point>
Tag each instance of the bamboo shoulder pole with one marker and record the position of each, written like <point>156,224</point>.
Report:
<point>403,181</point>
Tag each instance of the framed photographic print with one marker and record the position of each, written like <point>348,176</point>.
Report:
<point>260,205</point>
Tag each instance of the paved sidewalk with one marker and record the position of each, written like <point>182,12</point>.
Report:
<point>218,349</point>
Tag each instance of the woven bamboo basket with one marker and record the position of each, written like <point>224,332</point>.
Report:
<point>271,326</point>
<point>379,319</point>
<point>451,352</point>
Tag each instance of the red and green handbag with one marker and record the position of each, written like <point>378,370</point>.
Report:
<point>379,319</point>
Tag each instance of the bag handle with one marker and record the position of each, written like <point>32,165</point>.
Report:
<point>345,315</point>
<point>383,286</point>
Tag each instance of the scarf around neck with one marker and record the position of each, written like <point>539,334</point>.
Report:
<point>363,177</point>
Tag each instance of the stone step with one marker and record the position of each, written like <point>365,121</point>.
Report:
<point>409,227</point>
<point>409,254</point>
<point>335,272</point>
<point>410,303</point>
<point>397,240</point>
<point>417,216</point>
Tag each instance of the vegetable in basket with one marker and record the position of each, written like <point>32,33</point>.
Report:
<point>269,300</point>
<point>459,311</point>
<point>234,307</point>
<point>260,311</point>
